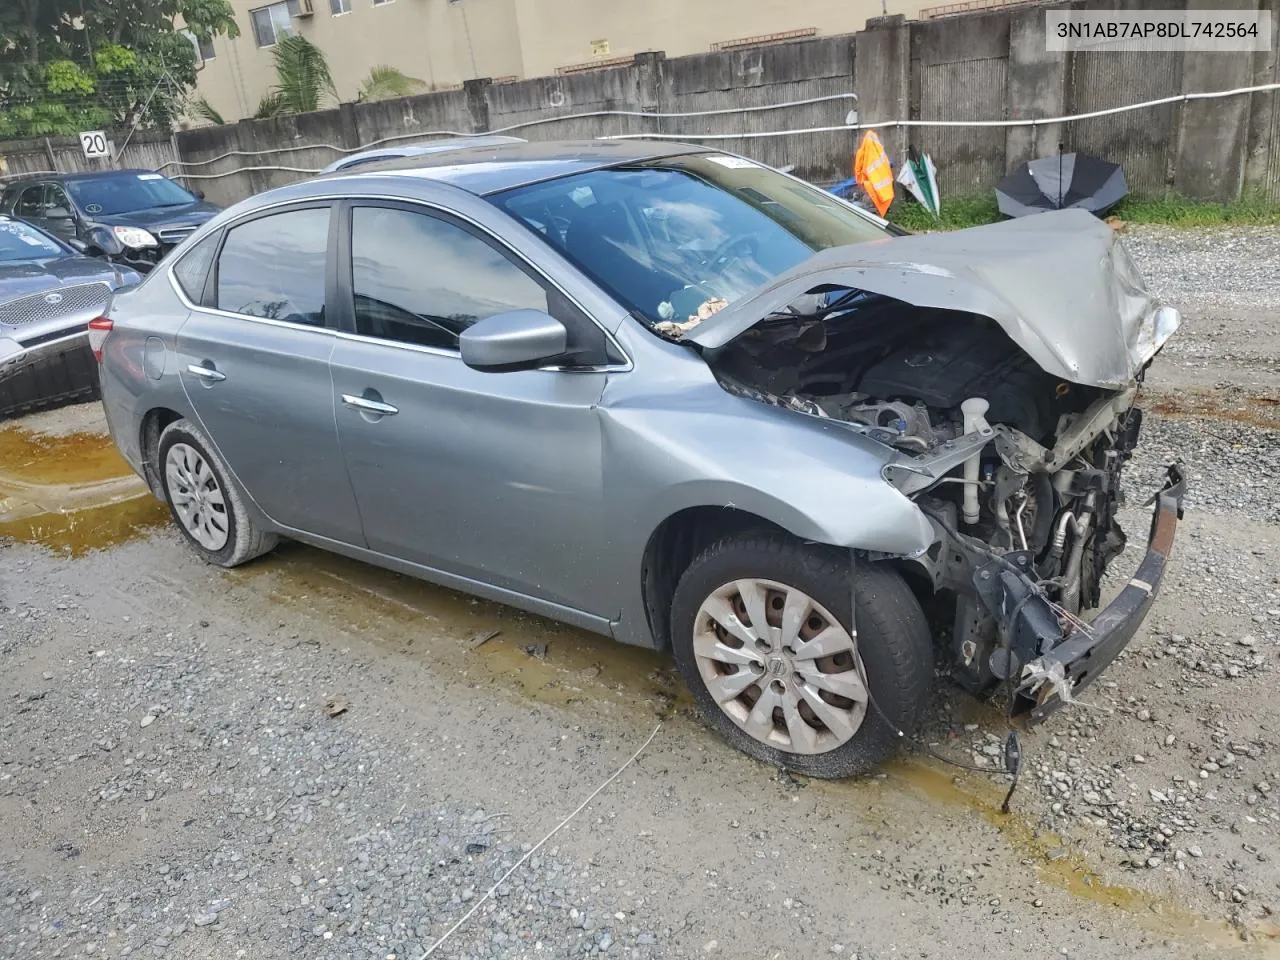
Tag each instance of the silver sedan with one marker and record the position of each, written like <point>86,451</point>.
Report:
<point>675,397</point>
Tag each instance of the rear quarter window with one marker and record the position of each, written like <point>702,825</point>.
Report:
<point>192,270</point>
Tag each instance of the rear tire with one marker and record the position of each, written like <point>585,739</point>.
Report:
<point>803,711</point>
<point>205,504</point>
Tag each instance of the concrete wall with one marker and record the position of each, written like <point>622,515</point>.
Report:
<point>983,67</point>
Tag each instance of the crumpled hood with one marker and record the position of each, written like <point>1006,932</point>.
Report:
<point>1060,284</point>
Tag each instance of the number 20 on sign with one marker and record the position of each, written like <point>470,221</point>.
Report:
<point>94,143</point>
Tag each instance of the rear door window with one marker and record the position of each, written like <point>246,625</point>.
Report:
<point>274,267</point>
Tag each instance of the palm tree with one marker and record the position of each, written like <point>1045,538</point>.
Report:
<point>302,79</point>
<point>204,109</point>
<point>385,83</point>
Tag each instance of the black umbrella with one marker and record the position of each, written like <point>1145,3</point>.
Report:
<point>1062,181</point>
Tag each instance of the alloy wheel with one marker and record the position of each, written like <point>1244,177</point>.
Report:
<point>780,666</point>
<point>197,497</point>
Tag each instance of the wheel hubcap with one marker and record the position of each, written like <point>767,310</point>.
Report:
<point>197,499</point>
<point>780,666</point>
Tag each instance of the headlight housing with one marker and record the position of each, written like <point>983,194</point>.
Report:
<point>135,237</point>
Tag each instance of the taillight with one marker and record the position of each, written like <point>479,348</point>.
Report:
<point>98,330</point>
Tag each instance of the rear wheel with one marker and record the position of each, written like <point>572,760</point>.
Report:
<point>205,505</point>
<point>763,636</point>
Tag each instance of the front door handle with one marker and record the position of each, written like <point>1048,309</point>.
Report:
<point>207,374</point>
<point>365,405</point>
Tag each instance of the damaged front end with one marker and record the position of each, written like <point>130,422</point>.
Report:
<point>998,369</point>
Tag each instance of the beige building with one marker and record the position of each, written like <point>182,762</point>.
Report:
<point>445,42</point>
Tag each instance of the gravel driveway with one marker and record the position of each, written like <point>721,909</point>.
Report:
<point>308,757</point>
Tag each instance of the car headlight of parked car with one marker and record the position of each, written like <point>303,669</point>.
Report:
<point>135,237</point>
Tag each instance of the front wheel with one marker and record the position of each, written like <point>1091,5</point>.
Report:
<point>761,628</point>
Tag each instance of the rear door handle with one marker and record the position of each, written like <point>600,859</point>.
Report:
<point>206,373</point>
<point>366,405</point>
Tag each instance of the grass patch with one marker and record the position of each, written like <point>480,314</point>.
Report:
<point>1171,210</point>
<point>957,212</point>
<point>1178,211</point>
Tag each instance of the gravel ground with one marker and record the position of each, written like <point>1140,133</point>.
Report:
<point>312,758</point>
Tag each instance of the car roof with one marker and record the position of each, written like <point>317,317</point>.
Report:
<point>81,175</point>
<point>417,148</point>
<point>483,170</point>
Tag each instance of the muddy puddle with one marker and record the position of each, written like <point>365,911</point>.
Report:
<point>1211,403</point>
<point>463,637</point>
<point>71,493</point>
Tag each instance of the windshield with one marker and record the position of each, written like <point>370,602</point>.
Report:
<point>21,242</point>
<point>667,237</point>
<point>127,194</point>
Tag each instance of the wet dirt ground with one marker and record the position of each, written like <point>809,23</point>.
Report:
<point>484,707</point>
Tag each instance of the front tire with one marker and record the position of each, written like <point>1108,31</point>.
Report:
<point>797,692</point>
<point>205,505</point>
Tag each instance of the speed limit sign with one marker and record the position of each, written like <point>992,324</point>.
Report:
<point>94,143</point>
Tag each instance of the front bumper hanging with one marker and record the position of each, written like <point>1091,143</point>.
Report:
<point>1069,660</point>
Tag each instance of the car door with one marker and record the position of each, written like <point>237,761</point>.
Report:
<point>253,357</point>
<point>58,216</point>
<point>495,477</point>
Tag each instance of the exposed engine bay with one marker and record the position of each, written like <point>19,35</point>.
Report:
<point>1012,464</point>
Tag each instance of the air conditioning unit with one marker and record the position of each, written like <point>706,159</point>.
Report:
<point>303,8</point>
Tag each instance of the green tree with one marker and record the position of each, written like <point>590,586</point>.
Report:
<point>302,79</point>
<point>98,63</point>
<point>386,83</point>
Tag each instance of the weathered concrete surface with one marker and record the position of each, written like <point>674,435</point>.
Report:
<point>1037,89</point>
<point>882,79</point>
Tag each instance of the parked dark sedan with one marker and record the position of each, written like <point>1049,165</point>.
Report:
<point>132,216</point>
<point>49,291</point>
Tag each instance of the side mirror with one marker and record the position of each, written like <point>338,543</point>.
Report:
<point>57,213</point>
<point>199,194</point>
<point>105,241</point>
<point>514,340</point>
<point>75,243</point>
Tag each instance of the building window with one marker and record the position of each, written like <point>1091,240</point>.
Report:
<point>338,7</point>
<point>379,3</point>
<point>272,22</point>
<point>204,48</point>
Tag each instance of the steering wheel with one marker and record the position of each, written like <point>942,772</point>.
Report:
<point>735,248</point>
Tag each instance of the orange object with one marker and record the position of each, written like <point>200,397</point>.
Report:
<point>872,171</point>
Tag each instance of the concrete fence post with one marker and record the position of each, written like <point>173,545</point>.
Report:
<point>1037,88</point>
<point>1261,147</point>
<point>348,126</point>
<point>882,77</point>
<point>647,67</point>
<point>477,92</point>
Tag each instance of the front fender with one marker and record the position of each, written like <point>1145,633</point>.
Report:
<point>699,446</point>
